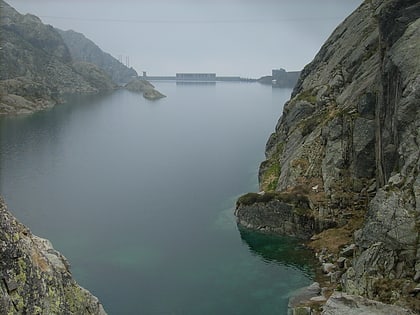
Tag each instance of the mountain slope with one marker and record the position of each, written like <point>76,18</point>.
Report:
<point>36,67</point>
<point>83,49</point>
<point>348,142</point>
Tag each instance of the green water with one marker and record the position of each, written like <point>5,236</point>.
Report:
<point>139,196</point>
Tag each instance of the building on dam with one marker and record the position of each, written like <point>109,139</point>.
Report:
<point>196,77</point>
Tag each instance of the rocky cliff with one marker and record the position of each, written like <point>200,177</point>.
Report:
<point>35,278</point>
<point>83,49</point>
<point>348,141</point>
<point>36,67</point>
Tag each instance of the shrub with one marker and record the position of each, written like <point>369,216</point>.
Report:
<point>299,200</point>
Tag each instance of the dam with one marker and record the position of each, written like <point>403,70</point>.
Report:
<point>197,77</point>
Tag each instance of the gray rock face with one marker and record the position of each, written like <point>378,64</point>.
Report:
<point>349,137</point>
<point>341,303</point>
<point>285,214</point>
<point>275,216</point>
<point>36,279</point>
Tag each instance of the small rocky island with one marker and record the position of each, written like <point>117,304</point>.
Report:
<point>342,167</point>
<point>143,86</point>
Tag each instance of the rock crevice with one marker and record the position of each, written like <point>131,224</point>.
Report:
<point>349,140</point>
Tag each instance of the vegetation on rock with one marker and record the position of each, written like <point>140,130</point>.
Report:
<point>35,278</point>
<point>350,135</point>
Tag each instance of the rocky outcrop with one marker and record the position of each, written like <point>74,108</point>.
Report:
<point>93,75</point>
<point>341,303</point>
<point>35,278</point>
<point>286,213</point>
<point>36,67</point>
<point>349,136</point>
<point>84,50</point>
<point>145,87</point>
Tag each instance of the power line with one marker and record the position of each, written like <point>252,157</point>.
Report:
<point>168,21</point>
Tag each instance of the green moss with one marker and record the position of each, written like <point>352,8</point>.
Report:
<point>21,276</point>
<point>75,298</point>
<point>16,237</point>
<point>306,96</point>
<point>54,305</point>
<point>309,124</point>
<point>271,177</point>
<point>20,304</point>
<point>272,169</point>
<point>299,200</point>
<point>301,211</point>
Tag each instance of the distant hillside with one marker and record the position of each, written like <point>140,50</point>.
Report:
<point>83,49</point>
<point>36,67</point>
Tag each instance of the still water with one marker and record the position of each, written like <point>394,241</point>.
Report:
<point>139,196</point>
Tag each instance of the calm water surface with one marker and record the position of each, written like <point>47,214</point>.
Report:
<point>139,196</point>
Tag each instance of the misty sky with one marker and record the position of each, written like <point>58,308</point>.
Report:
<point>229,37</point>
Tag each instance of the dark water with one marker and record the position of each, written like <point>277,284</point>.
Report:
<point>139,196</point>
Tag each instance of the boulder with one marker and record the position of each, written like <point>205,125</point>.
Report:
<point>342,303</point>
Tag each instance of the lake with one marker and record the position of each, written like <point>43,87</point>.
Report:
<point>139,196</point>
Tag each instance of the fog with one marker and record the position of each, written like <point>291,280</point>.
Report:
<point>229,37</point>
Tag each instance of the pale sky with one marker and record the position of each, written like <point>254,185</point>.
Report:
<point>229,37</point>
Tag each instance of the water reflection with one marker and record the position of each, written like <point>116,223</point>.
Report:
<point>131,189</point>
<point>284,250</point>
<point>195,83</point>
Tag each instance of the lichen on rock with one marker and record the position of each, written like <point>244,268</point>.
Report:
<point>35,278</point>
